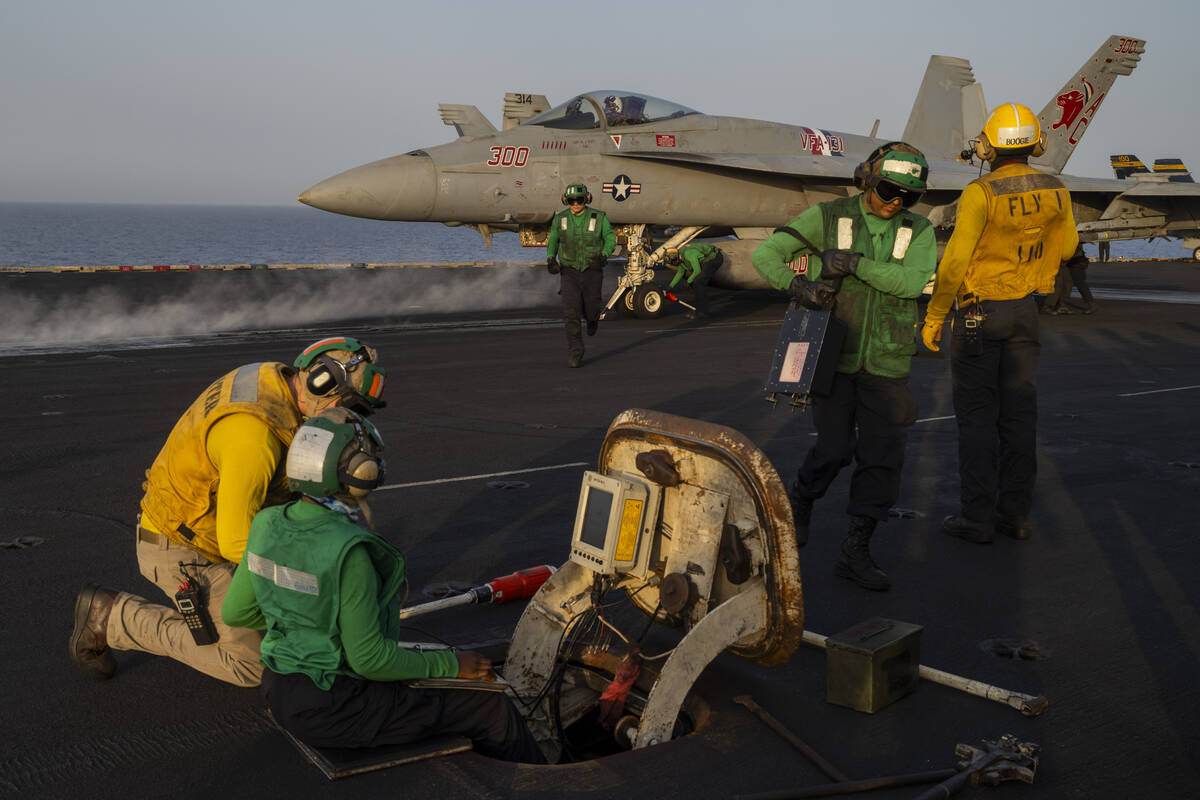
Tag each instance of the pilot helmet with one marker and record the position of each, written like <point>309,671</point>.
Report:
<point>337,454</point>
<point>612,105</point>
<point>672,255</point>
<point>576,191</point>
<point>341,368</point>
<point>1012,130</point>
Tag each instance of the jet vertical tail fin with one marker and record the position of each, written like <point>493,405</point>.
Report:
<point>949,108</point>
<point>1128,165</point>
<point>1066,117</point>
<point>519,106</point>
<point>1174,170</point>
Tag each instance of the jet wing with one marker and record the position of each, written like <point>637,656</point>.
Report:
<point>1168,189</point>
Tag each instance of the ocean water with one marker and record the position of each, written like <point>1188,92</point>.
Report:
<point>53,234</point>
<point>73,312</point>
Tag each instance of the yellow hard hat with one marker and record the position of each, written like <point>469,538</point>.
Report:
<point>1011,130</point>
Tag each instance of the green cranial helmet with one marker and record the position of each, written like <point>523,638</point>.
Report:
<point>576,191</point>
<point>336,454</point>
<point>903,165</point>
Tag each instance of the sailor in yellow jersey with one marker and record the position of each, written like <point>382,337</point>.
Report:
<point>1013,230</point>
<point>221,463</point>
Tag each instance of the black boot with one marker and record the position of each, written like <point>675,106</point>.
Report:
<point>856,563</point>
<point>801,514</point>
<point>969,529</point>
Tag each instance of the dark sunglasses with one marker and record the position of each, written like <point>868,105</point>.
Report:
<point>890,192</point>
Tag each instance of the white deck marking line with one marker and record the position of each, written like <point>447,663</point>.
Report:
<point>480,477</point>
<point>1158,391</point>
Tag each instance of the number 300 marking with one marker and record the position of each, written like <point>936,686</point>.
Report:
<point>508,156</point>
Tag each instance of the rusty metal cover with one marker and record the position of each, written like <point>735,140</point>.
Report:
<point>722,459</point>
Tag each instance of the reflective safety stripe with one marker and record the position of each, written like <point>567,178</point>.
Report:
<point>592,224</point>
<point>845,233</point>
<point>284,577</point>
<point>564,223</point>
<point>245,385</point>
<point>903,240</point>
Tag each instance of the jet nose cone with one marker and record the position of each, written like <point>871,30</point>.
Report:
<point>398,188</point>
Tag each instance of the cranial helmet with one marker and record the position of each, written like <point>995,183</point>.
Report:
<point>343,369</point>
<point>672,255</point>
<point>336,454</point>
<point>1011,130</point>
<point>576,191</point>
<point>894,170</point>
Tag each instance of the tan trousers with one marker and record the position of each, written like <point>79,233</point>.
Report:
<point>136,624</point>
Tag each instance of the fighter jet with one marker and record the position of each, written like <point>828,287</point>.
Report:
<point>665,173</point>
<point>1166,170</point>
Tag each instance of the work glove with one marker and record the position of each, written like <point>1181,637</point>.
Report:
<point>810,294</point>
<point>596,260</point>
<point>931,334</point>
<point>552,265</point>
<point>838,263</point>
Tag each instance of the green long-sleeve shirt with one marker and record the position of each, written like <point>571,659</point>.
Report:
<point>690,257</point>
<point>368,653</point>
<point>903,279</point>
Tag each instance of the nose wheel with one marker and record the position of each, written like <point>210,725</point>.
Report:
<point>644,302</point>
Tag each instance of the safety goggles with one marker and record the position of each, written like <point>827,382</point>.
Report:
<point>368,395</point>
<point>890,193</point>
<point>577,201</point>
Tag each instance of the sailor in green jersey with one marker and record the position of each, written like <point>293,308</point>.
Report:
<point>327,588</point>
<point>882,255</point>
<point>581,240</point>
<point>695,263</point>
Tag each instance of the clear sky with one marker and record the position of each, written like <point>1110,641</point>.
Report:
<point>253,101</point>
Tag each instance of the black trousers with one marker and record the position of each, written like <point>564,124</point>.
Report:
<point>359,713</point>
<point>700,284</point>
<point>580,296</point>
<point>865,419</point>
<point>995,402</point>
<point>1079,278</point>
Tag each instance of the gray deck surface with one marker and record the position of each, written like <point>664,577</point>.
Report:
<point>1107,587</point>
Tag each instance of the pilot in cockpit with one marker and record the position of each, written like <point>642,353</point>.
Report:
<point>628,110</point>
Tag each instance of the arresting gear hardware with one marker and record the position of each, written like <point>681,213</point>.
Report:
<point>692,523</point>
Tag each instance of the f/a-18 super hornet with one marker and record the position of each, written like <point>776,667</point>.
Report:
<point>665,174</point>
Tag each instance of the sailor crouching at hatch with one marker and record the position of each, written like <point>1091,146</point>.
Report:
<point>327,589</point>
<point>882,255</point>
<point>581,240</point>
<point>1014,228</point>
<point>221,463</point>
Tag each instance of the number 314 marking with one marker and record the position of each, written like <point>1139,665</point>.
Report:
<point>508,156</point>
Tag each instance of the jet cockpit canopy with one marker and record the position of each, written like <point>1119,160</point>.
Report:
<point>608,109</point>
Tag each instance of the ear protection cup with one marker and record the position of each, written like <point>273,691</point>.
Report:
<point>983,148</point>
<point>326,376</point>
<point>362,474</point>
